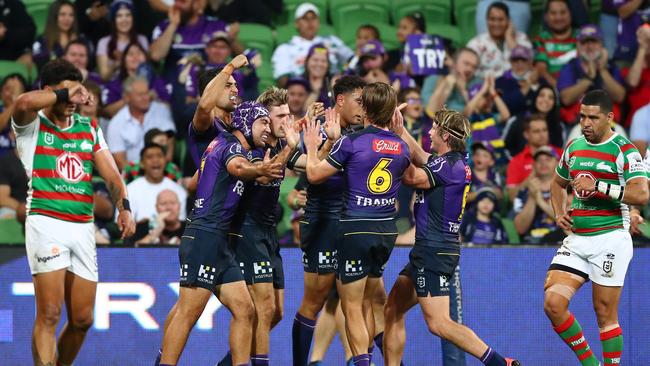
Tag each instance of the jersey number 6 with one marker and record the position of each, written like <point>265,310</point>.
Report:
<point>380,179</point>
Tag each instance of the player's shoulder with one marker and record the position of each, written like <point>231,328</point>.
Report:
<point>623,143</point>
<point>578,142</point>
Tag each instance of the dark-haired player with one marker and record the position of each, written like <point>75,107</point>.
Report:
<point>607,174</point>
<point>373,161</point>
<point>60,149</point>
<point>442,184</point>
<point>207,262</point>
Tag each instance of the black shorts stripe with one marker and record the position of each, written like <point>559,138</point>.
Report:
<point>561,267</point>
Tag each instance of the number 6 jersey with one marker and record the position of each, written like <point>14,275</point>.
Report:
<point>373,161</point>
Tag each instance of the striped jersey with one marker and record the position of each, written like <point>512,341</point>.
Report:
<point>614,161</point>
<point>59,164</point>
<point>554,52</point>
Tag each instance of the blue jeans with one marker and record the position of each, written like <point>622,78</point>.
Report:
<point>519,14</point>
<point>452,355</point>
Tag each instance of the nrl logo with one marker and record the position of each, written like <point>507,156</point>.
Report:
<point>49,138</point>
<point>572,161</point>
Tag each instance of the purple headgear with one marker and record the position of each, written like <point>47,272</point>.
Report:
<point>245,115</point>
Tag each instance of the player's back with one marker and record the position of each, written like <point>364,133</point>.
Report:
<point>218,193</point>
<point>374,161</point>
<point>439,209</point>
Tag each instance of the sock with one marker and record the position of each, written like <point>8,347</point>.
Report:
<point>379,342</point>
<point>301,334</point>
<point>157,362</point>
<point>571,332</point>
<point>260,360</point>
<point>226,360</point>
<point>492,358</point>
<point>370,349</point>
<point>361,360</point>
<point>165,364</point>
<point>612,342</point>
<point>316,363</point>
<point>350,362</point>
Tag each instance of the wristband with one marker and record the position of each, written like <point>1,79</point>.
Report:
<point>614,191</point>
<point>62,95</point>
<point>125,205</point>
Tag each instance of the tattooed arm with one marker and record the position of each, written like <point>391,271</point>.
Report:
<point>108,170</point>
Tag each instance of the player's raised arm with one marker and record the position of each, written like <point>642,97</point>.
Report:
<point>28,104</point>
<point>243,169</point>
<point>419,157</point>
<point>317,170</point>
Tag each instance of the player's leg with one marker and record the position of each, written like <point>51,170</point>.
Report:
<point>352,299</point>
<point>325,330</point>
<point>368,298</point>
<point>278,315</point>
<point>278,277</point>
<point>80,303</point>
<point>49,292</point>
<point>264,301</point>
<point>567,273</point>
<point>606,301</point>
<point>402,297</point>
<point>168,320</point>
<point>343,335</point>
<point>378,302</point>
<point>235,297</point>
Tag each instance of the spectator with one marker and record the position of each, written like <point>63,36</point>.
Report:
<point>589,70</point>
<point>555,45</point>
<point>637,77</point>
<point>165,227</point>
<point>534,217</point>
<point>133,170</point>
<point>134,63</point>
<point>297,92</point>
<point>631,15</point>
<point>518,86</point>
<point>12,86</point>
<point>414,116</point>
<point>365,33</point>
<point>103,212</point>
<point>185,31</point>
<point>609,25</point>
<point>482,225</point>
<point>289,59</point>
<point>546,104</point>
<point>640,131</point>
<point>143,192</point>
<point>126,130</point>
<point>317,72</point>
<point>413,23</point>
<point>521,165</point>
<point>123,32</point>
<point>92,17</point>
<point>13,185</point>
<point>486,123</point>
<point>372,67</point>
<point>483,173</point>
<point>245,11</point>
<point>77,52</point>
<point>494,46</point>
<point>17,30</point>
<point>519,9</point>
<point>452,90</point>
<point>60,28</point>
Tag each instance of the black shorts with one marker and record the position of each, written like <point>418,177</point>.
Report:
<point>431,269</point>
<point>318,238</point>
<point>206,259</point>
<point>257,250</point>
<point>364,248</point>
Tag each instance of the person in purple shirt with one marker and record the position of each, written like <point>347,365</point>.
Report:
<point>443,182</point>
<point>482,224</point>
<point>186,31</point>
<point>207,262</point>
<point>631,15</point>
<point>373,161</point>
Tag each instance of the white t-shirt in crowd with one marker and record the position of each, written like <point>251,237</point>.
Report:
<point>143,194</point>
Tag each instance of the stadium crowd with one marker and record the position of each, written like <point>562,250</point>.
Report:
<point>518,83</point>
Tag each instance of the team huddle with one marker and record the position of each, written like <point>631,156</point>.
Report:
<point>355,156</point>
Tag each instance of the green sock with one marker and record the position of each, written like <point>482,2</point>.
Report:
<point>612,342</point>
<point>571,332</point>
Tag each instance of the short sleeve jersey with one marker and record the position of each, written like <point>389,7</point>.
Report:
<point>614,161</point>
<point>374,161</point>
<point>439,209</point>
<point>197,142</point>
<point>218,193</point>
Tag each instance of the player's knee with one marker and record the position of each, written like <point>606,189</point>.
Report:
<point>265,311</point>
<point>49,315</point>
<point>604,311</point>
<point>439,325</point>
<point>83,320</point>
<point>244,311</point>
<point>390,311</point>
<point>554,307</point>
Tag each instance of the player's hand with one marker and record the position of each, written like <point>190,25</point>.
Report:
<point>126,224</point>
<point>174,16</point>
<point>602,60</point>
<point>584,184</point>
<point>300,200</point>
<point>270,167</point>
<point>312,135</point>
<point>397,122</point>
<point>239,61</point>
<point>290,134</point>
<point>564,221</point>
<point>315,110</point>
<point>77,94</point>
<point>332,124</point>
<point>635,220</point>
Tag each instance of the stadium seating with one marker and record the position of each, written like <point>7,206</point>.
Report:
<point>11,232</point>
<point>12,67</point>
<point>465,15</point>
<point>446,31</point>
<point>536,17</point>
<point>287,17</point>
<point>265,74</point>
<point>358,12</point>
<point>38,10</point>
<point>257,36</point>
<point>509,225</point>
<point>434,11</point>
<point>285,32</point>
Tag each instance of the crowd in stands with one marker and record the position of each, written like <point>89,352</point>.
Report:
<point>519,84</point>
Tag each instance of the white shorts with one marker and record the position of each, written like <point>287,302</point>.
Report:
<point>601,258</point>
<point>54,244</point>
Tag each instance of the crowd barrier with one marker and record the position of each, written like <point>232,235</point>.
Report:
<point>501,290</point>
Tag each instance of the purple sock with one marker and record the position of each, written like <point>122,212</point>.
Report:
<point>260,360</point>
<point>301,334</point>
<point>370,349</point>
<point>157,362</point>
<point>361,360</point>
<point>165,364</point>
<point>226,360</point>
<point>492,358</point>
<point>379,342</point>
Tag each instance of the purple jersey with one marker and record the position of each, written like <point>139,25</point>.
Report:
<point>439,209</point>
<point>260,201</point>
<point>198,142</point>
<point>218,193</point>
<point>188,39</point>
<point>626,41</point>
<point>373,161</point>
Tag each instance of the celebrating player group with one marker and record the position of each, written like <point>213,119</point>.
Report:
<point>355,156</point>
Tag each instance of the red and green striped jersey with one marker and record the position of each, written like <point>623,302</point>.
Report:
<point>554,52</point>
<point>614,161</point>
<point>59,164</point>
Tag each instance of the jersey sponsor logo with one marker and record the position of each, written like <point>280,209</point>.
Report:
<point>444,283</point>
<point>386,146</point>
<point>238,188</point>
<point>436,165</point>
<point>70,145</point>
<point>454,227</point>
<point>86,146</point>
<point>235,149</point>
<point>326,258</point>
<point>262,269</point>
<point>55,254</point>
<point>70,167</point>
<point>637,167</point>
<point>198,203</point>
<point>419,197</point>
<point>366,202</point>
<point>206,274</point>
<point>64,188</point>
<point>48,138</point>
<point>607,266</point>
<point>603,166</point>
<point>584,195</point>
<point>586,164</point>
<point>353,267</point>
